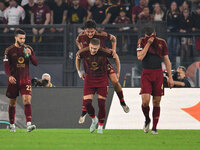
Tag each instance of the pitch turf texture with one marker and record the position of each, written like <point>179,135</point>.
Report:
<point>82,139</point>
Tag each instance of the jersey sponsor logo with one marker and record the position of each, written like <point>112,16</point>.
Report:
<point>85,43</point>
<point>94,66</point>
<point>20,60</point>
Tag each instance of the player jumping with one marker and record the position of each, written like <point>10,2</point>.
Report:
<point>83,41</point>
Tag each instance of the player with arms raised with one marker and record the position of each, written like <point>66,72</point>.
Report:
<point>83,41</point>
<point>16,65</point>
<point>95,79</point>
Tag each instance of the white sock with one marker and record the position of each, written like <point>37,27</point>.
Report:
<point>12,125</point>
<point>100,127</point>
<point>28,123</point>
<point>94,119</point>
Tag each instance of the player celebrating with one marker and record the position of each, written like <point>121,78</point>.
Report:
<point>151,50</point>
<point>16,64</point>
<point>95,79</point>
<point>83,41</point>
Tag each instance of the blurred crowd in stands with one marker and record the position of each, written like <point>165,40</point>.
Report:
<point>181,16</point>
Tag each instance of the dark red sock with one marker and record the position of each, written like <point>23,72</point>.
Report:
<point>156,115</point>
<point>102,110</point>
<point>89,108</point>
<point>11,112</point>
<point>121,97</point>
<point>28,112</point>
<point>146,112</point>
<point>83,106</point>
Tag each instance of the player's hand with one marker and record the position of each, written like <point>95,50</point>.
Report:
<point>41,31</point>
<point>150,40</point>
<point>28,51</point>
<point>170,82</point>
<point>82,76</point>
<point>12,80</point>
<point>113,53</point>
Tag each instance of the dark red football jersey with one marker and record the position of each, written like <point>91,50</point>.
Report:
<point>17,65</point>
<point>120,20</point>
<point>85,40</point>
<point>95,66</point>
<point>40,13</point>
<point>158,47</point>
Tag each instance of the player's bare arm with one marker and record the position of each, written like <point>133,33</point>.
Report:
<point>114,42</point>
<point>168,67</point>
<point>142,53</point>
<point>117,63</point>
<point>78,61</point>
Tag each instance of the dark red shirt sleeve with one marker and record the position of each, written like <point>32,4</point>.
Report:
<point>6,64</point>
<point>165,49</point>
<point>33,58</point>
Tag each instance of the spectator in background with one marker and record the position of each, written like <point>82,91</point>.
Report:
<point>24,2</point>
<point>112,12</point>
<point>28,8</point>
<point>172,18</point>
<point>40,15</point>
<point>185,26</point>
<point>196,19</point>
<point>158,13</point>
<point>59,11</point>
<point>181,80</point>
<point>77,14</point>
<point>2,8</point>
<point>97,12</point>
<point>13,15</point>
<point>86,4</point>
<point>185,5</point>
<point>47,77</point>
<point>136,10</point>
<point>122,18</point>
<point>145,15</point>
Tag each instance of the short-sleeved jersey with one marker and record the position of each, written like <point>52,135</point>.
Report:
<point>114,10</point>
<point>101,35</point>
<point>18,64</point>
<point>95,66</point>
<point>14,14</point>
<point>98,13</point>
<point>40,13</point>
<point>155,53</point>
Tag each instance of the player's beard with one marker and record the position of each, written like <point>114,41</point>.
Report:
<point>20,44</point>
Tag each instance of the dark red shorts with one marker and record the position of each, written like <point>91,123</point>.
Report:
<point>152,82</point>
<point>14,89</point>
<point>197,40</point>
<point>103,91</point>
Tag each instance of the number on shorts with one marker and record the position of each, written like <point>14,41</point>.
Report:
<point>28,87</point>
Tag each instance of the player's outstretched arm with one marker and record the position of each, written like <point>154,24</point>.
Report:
<point>168,67</point>
<point>117,63</point>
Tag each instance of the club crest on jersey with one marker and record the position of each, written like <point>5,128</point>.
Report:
<point>21,60</point>
<point>94,66</point>
<point>14,54</point>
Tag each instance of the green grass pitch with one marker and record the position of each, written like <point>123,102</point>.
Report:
<point>82,139</point>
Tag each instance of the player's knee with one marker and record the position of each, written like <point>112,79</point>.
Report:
<point>13,103</point>
<point>26,101</point>
<point>145,104</point>
<point>156,103</point>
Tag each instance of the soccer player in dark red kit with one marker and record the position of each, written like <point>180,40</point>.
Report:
<point>95,79</point>
<point>83,41</point>
<point>151,50</point>
<point>16,65</point>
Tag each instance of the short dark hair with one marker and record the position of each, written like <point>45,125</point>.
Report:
<point>91,24</point>
<point>148,30</point>
<point>95,41</point>
<point>20,31</point>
